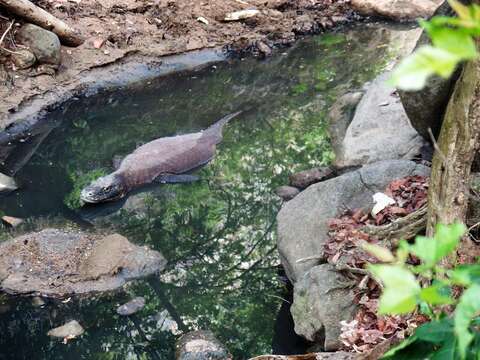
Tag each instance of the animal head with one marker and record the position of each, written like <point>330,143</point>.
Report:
<point>106,188</point>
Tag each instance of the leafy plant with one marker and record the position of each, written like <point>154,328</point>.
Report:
<point>450,335</point>
<point>452,42</point>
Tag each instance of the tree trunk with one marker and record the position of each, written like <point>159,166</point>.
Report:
<point>40,17</point>
<point>458,141</point>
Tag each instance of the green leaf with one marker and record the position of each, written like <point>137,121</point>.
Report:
<point>413,72</point>
<point>446,239</point>
<point>436,295</point>
<point>467,308</point>
<point>401,289</point>
<point>380,252</point>
<point>436,332</point>
<point>457,42</point>
<point>465,275</point>
<point>462,11</point>
<point>447,351</point>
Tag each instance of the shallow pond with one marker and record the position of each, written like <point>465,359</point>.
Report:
<point>217,233</point>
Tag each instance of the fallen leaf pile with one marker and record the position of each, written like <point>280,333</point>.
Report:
<point>368,330</point>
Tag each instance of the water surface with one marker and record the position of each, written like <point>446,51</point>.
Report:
<point>218,233</point>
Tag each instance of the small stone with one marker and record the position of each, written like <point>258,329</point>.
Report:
<point>131,307</point>
<point>43,43</point>
<point>12,221</point>
<point>202,20</point>
<point>70,330</point>
<point>241,15</point>
<point>23,59</point>
<point>7,184</point>
<point>98,43</point>
<point>287,193</point>
<point>264,49</point>
<point>37,301</point>
<point>304,179</point>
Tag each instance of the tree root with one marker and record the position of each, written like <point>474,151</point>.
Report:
<point>403,228</point>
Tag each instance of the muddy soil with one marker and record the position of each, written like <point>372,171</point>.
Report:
<point>117,30</point>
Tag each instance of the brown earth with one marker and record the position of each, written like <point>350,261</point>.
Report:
<point>119,29</point>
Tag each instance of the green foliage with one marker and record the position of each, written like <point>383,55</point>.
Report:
<point>452,43</point>
<point>446,336</point>
<point>80,180</point>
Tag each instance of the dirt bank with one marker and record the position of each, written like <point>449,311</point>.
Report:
<point>122,29</point>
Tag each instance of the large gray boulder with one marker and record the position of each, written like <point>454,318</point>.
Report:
<point>321,300</point>
<point>302,222</point>
<point>425,108</point>
<point>57,263</point>
<point>397,9</point>
<point>201,345</point>
<point>380,129</point>
<point>44,44</point>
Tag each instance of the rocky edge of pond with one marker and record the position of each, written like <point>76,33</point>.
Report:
<point>58,263</point>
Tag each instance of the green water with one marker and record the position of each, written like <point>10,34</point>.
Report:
<point>218,234</point>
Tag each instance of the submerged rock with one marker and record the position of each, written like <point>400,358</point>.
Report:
<point>397,9</point>
<point>303,221</point>
<point>7,184</point>
<point>287,193</point>
<point>304,179</point>
<point>56,263</point>
<point>201,345</point>
<point>43,43</point>
<point>131,307</point>
<point>70,330</point>
<point>321,300</point>
<point>380,129</point>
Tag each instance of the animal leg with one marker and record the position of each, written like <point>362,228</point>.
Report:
<point>176,178</point>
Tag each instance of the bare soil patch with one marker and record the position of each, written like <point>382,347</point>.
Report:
<point>116,30</point>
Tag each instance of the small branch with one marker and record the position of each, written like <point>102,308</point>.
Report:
<point>6,32</point>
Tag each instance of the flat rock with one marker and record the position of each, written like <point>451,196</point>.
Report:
<point>397,9</point>
<point>287,193</point>
<point>320,302</point>
<point>7,184</point>
<point>131,307</point>
<point>304,179</point>
<point>12,221</point>
<point>201,345</point>
<point>380,129</point>
<point>302,222</point>
<point>44,44</point>
<point>70,330</point>
<point>57,263</point>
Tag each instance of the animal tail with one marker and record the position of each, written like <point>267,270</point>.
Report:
<point>216,129</point>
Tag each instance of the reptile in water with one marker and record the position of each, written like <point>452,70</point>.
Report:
<point>164,160</point>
